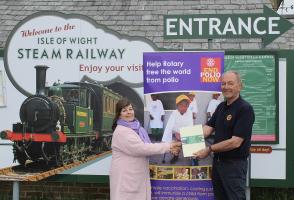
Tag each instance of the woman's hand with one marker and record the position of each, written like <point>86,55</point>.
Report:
<point>175,147</point>
<point>178,136</point>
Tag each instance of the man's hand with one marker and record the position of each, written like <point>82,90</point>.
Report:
<point>151,117</point>
<point>203,153</point>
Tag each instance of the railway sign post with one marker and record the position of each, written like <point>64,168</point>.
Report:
<point>267,26</point>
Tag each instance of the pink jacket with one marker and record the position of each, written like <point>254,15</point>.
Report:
<point>129,172</point>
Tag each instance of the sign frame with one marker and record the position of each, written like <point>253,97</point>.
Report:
<point>267,26</point>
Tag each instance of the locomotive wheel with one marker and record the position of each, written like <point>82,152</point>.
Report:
<point>82,153</point>
<point>19,156</point>
<point>106,143</point>
<point>62,157</point>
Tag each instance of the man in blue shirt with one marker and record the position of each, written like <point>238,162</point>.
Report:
<point>232,122</point>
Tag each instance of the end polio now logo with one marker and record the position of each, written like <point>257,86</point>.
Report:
<point>210,70</point>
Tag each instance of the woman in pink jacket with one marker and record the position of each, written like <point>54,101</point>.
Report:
<point>131,146</point>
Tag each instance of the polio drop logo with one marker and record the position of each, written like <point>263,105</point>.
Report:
<point>210,69</point>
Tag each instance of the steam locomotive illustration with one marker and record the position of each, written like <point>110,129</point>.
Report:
<point>63,123</point>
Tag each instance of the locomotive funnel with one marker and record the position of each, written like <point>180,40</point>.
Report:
<point>41,79</point>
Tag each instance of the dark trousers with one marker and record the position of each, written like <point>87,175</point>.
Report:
<point>229,179</point>
<point>157,133</point>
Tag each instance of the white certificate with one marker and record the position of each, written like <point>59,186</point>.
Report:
<point>192,139</point>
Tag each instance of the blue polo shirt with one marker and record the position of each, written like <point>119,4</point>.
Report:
<point>235,119</point>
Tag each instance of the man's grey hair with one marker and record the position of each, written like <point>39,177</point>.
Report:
<point>237,74</point>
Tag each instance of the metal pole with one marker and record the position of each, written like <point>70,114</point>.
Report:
<point>209,43</point>
<point>15,190</point>
<point>247,193</point>
<point>248,179</point>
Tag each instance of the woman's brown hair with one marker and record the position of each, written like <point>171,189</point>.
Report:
<point>122,103</point>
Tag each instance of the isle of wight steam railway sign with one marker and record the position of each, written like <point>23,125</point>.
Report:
<point>267,26</point>
<point>74,47</point>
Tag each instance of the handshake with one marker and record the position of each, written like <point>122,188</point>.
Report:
<point>175,147</point>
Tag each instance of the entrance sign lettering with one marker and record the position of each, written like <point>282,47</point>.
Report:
<point>268,26</point>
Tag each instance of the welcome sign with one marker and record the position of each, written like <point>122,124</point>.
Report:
<point>73,46</point>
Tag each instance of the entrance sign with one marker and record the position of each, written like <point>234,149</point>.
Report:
<point>267,25</point>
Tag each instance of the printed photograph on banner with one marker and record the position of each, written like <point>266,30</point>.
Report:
<point>153,171</point>
<point>165,173</point>
<point>200,173</point>
<point>182,173</point>
<point>166,113</point>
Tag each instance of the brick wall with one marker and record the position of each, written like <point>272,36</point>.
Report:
<point>144,18</point>
<point>89,191</point>
<point>56,191</point>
